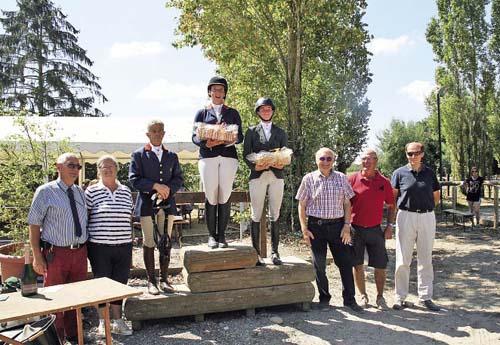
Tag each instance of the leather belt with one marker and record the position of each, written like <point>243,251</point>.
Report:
<point>72,246</point>
<point>323,221</point>
<point>416,210</point>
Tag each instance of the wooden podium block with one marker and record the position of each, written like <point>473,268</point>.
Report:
<point>293,271</point>
<point>185,303</point>
<point>203,259</point>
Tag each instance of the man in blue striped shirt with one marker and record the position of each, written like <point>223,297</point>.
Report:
<point>58,232</point>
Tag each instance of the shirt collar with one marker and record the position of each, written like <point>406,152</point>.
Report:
<point>62,185</point>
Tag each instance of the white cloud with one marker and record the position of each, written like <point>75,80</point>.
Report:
<point>133,49</point>
<point>175,95</point>
<point>418,89</point>
<point>379,46</point>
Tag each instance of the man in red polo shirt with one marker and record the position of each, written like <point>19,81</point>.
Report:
<point>372,191</point>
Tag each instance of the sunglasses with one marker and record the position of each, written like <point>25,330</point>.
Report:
<point>413,154</point>
<point>74,166</point>
<point>328,159</point>
<point>475,171</point>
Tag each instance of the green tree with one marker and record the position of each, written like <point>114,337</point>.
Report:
<point>459,38</point>
<point>26,161</point>
<point>392,142</point>
<point>309,56</point>
<point>42,67</point>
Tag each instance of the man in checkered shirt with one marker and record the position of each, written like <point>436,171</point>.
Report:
<point>324,213</point>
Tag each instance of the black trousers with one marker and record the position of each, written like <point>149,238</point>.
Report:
<point>328,235</point>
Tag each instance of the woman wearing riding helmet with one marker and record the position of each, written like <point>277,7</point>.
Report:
<point>218,161</point>
<point>265,136</point>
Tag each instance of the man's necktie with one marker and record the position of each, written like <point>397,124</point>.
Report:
<point>76,220</point>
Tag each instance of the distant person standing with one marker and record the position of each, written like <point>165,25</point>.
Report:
<point>58,234</point>
<point>218,161</point>
<point>373,190</point>
<point>265,179</point>
<point>325,220</point>
<point>474,189</point>
<point>416,189</point>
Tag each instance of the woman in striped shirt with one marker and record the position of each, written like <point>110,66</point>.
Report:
<point>110,234</point>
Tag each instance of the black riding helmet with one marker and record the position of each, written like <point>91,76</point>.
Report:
<point>264,101</point>
<point>217,80</point>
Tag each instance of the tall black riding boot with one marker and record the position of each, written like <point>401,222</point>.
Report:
<point>275,240</point>
<point>211,216</point>
<point>164,284</point>
<point>255,233</point>
<point>149,261</point>
<point>222,222</point>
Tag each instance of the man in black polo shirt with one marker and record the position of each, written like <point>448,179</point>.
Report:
<point>416,190</point>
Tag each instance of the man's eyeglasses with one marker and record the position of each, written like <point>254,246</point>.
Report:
<point>474,171</point>
<point>74,166</point>
<point>328,159</point>
<point>413,154</point>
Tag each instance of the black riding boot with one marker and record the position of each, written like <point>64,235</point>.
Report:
<point>255,233</point>
<point>222,222</point>
<point>149,261</point>
<point>211,216</point>
<point>275,240</point>
<point>164,262</point>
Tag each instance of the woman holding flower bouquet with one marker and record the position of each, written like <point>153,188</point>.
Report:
<point>266,174</point>
<point>217,128</point>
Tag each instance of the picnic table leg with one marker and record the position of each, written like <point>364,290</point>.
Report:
<point>107,324</point>
<point>79,325</point>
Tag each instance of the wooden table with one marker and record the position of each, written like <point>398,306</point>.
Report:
<point>60,298</point>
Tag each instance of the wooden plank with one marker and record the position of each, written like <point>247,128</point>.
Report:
<point>185,303</point>
<point>203,259</point>
<point>199,197</point>
<point>293,270</point>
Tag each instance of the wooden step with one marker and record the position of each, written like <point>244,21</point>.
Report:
<point>203,259</point>
<point>185,303</point>
<point>293,270</point>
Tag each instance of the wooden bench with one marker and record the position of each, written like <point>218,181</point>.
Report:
<point>463,217</point>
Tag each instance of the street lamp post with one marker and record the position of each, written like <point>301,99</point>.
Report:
<point>440,94</point>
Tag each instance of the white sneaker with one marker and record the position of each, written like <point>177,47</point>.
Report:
<point>120,327</point>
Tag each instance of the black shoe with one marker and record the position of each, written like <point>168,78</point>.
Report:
<point>260,261</point>
<point>402,305</point>
<point>275,258</point>
<point>355,307</point>
<point>322,305</point>
<point>430,305</point>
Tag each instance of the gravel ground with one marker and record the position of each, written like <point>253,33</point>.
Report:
<point>466,286</point>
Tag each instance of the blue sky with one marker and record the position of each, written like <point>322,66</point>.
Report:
<point>144,77</point>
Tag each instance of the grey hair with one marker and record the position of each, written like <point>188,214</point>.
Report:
<point>63,158</point>
<point>370,152</point>
<point>110,158</point>
<point>325,149</point>
<point>154,123</point>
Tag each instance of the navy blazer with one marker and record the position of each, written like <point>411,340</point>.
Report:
<point>229,116</point>
<point>145,170</point>
<point>255,141</point>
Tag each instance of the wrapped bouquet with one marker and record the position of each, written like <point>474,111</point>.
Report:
<point>282,156</point>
